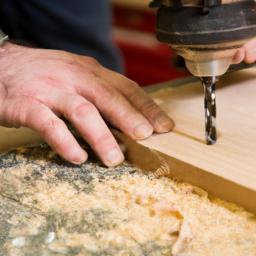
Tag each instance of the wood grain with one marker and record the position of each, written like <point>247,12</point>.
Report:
<point>227,169</point>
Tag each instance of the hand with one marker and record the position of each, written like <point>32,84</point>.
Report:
<point>37,87</point>
<point>247,53</point>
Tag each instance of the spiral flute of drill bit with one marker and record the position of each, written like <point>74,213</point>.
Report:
<point>210,109</point>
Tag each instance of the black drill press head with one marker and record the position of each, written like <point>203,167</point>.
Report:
<point>207,33</point>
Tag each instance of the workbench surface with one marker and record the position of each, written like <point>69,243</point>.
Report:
<point>51,207</point>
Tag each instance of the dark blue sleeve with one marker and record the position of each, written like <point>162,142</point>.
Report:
<point>78,26</point>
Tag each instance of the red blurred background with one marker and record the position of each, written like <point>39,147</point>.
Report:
<point>146,60</point>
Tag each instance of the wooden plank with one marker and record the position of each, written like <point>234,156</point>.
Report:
<point>227,169</point>
<point>11,138</point>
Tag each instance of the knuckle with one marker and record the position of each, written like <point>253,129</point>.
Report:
<point>103,94</point>
<point>49,80</point>
<point>116,105</point>
<point>52,125</point>
<point>133,85</point>
<point>134,92</point>
<point>92,61</point>
<point>89,72</point>
<point>111,98</point>
<point>77,68</point>
<point>149,106</point>
<point>108,91</point>
<point>141,100</point>
<point>73,65</point>
<point>105,139</point>
<point>51,131</point>
<point>83,110</point>
<point>129,114</point>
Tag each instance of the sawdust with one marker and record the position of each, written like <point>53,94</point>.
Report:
<point>184,238</point>
<point>117,211</point>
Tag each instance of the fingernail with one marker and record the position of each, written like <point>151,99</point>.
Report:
<point>142,130</point>
<point>165,122</point>
<point>115,156</point>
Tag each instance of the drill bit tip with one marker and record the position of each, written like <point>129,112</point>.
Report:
<point>210,109</point>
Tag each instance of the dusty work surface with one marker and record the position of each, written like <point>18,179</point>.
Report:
<point>50,207</point>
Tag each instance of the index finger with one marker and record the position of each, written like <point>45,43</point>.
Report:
<point>139,99</point>
<point>160,121</point>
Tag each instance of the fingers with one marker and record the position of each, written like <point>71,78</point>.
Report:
<point>160,121</point>
<point>41,119</point>
<point>88,122</point>
<point>116,109</point>
<point>250,51</point>
<point>247,53</point>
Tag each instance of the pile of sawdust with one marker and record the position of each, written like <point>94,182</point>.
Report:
<point>128,214</point>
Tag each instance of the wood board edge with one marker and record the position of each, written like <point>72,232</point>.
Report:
<point>151,160</point>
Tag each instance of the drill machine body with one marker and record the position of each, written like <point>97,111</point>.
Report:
<point>206,33</point>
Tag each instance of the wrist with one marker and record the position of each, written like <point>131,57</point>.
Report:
<point>9,54</point>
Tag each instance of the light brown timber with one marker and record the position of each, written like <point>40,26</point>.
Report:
<point>226,169</point>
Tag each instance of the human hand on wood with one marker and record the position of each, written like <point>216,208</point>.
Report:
<point>247,53</point>
<point>37,87</point>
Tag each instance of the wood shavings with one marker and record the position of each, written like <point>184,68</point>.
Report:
<point>185,232</point>
<point>185,236</point>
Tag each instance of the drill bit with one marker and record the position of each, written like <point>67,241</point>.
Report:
<point>210,109</point>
